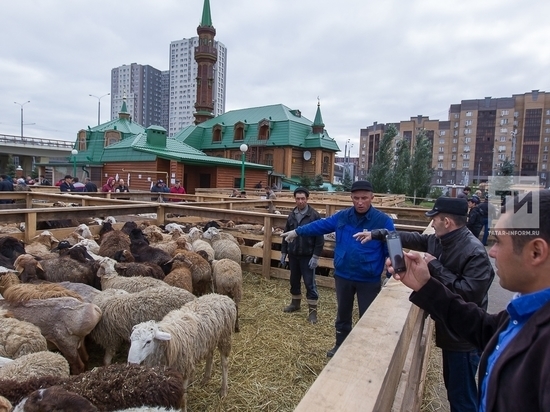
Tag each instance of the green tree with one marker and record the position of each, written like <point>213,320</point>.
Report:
<point>399,177</point>
<point>10,167</point>
<point>506,168</point>
<point>379,174</point>
<point>305,181</point>
<point>318,181</point>
<point>421,171</point>
<point>346,183</point>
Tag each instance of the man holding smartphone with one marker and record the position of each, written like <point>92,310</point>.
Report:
<point>357,267</point>
<point>457,259</point>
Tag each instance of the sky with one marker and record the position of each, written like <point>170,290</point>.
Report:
<point>367,61</point>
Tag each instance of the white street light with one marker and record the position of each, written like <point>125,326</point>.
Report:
<point>243,149</point>
<point>99,106</point>
<point>74,152</point>
<point>22,104</point>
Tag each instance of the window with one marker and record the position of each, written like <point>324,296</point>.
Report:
<point>467,140</point>
<point>217,131</point>
<point>467,131</point>
<point>238,134</point>
<point>263,129</point>
<point>455,141</point>
<point>466,156</point>
<point>468,114</point>
<point>466,148</point>
<point>504,113</point>
<point>456,116</point>
<point>441,141</point>
<point>440,157</point>
<point>504,130</point>
<point>501,148</point>
<point>465,165</point>
<point>438,181</point>
<point>440,165</point>
<point>502,138</point>
<point>441,150</point>
<point>442,132</point>
<point>453,165</point>
<point>468,123</point>
<point>453,157</point>
<point>503,121</point>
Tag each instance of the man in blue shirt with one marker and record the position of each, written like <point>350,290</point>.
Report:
<point>514,371</point>
<point>357,267</point>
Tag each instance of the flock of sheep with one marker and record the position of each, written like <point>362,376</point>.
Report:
<point>171,293</point>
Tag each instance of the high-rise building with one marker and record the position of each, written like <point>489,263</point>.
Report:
<point>479,136</point>
<point>183,82</point>
<point>141,85</point>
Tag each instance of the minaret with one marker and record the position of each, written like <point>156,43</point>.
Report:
<point>206,56</point>
<point>318,126</point>
<point>124,114</point>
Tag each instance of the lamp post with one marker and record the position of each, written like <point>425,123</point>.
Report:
<point>347,164</point>
<point>345,160</point>
<point>99,106</point>
<point>22,104</point>
<point>243,148</point>
<point>478,171</point>
<point>74,152</point>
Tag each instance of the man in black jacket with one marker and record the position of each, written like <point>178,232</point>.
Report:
<point>514,371</point>
<point>303,255</point>
<point>475,216</point>
<point>67,184</point>
<point>460,262</point>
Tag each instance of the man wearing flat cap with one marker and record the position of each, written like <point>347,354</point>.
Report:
<point>358,267</point>
<point>303,255</point>
<point>459,260</point>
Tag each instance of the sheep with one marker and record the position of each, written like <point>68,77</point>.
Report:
<point>121,311</point>
<point>113,241</point>
<point>18,338</point>
<point>35,364</point>
<point>186,336</point>
<point>86,292</point>
<point>223,248</point>
<point>42,245</point>
<point>4,361</point>
<point>7,280</point>
<point>55,398</point>
<point>111,387</point>
<point>180,275</point>
<point>84,231</point>
<point>5,405</point>
<point>227,277</point>
<point>64,322</point>
<point>201,271</point>
<point>177,241</point>
<point>23,292</point>
<point>199,244</point>
<point>10,248</point>
<point>110,278</point>
<point>254,259</point>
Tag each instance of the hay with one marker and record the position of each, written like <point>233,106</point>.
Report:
<point>435,394</point>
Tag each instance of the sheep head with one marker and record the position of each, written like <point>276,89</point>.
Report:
<point>144,341</point>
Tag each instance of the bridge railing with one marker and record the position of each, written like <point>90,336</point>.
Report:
<point>35,141</point>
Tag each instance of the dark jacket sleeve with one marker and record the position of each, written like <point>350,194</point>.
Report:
<point>465,319</point>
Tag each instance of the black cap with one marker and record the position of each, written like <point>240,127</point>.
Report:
<point>301,189</point>
<point>68,177</point>
<point>362,185</point>
<point>450,205</point>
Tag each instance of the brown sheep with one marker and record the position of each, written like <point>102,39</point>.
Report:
<point>180,276</point>
<point>112,242</point>
<point>201,271</point>
<point>24,292</point>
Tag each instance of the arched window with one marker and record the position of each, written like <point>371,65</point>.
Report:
<point>217,132</point>
<point>238,132</point>
<point>112,137</point>
<point>263,129</point>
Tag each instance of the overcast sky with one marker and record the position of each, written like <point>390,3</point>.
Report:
<point>366,60</point>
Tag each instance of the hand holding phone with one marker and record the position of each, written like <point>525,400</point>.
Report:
<point>395,251</point>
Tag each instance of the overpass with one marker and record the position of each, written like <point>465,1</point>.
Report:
<point>27,151</point>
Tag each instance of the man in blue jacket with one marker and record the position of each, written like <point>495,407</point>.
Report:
<point>357,267</point>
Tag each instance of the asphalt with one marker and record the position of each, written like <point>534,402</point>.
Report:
<point>498,296</point>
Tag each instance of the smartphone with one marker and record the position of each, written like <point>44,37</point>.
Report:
<point>395,250</point>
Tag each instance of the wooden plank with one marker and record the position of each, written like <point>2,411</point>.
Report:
<point>363,374</point>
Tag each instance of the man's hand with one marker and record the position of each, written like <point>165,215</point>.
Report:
<point>290,236</point>
<point>363,237</point>
<point>313,262</point>
<point>417,274</point>
<point>283,259</point>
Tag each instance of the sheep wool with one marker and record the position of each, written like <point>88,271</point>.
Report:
<point>36,364</point>
<point>227,277</point>
<point>18,338</point>
<point>187,335</point>
<point>223,248</point>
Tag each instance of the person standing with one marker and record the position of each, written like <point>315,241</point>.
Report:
<point>270,194</point>
<point>303,255</point>
<point>159,188</point>
<point>44,181</point>
<point>475,216</point>
<point>67,184</point>
<point>358,267</point>
<point>459,261</point>
<point>121,187</point>
<point>78,186</point>
<point>488,212</point>
<point>109,186</point>
<point>514,371</point>
<point>90,186</point>
<point>465,193</point>
<point>5,186</point>
<point>179,189</point>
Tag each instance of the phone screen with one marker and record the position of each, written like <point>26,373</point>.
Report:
<point>395,250</point>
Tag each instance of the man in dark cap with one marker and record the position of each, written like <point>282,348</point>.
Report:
<point>358,267</point>
<point>457,259</point>
<point>303,255</point>
<point>67,184</point>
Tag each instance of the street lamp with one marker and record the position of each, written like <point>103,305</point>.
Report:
<point>22,104</point>
<point>478,171</point>
<point>74,152</point>
<point>243,148</point>
<point>99,106</point>
<point>345,161</point>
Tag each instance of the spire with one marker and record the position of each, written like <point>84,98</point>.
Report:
<point>206,20</point>
<point>123,114</point>
<point>318,126</point>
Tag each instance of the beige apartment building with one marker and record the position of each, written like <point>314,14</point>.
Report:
<point>477,137</point>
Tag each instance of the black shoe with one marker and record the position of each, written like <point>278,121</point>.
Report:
<point>332,351</point>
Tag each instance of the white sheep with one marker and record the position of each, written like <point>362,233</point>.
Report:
<point>111,280</point>
<point>186,336</point>
<point>224,248</point>
<point>18,338</point>
<point>198,244</point>
<point>42,245</point>
<point>227,277</point>
<point>122,310</point>
<point>36,364</point>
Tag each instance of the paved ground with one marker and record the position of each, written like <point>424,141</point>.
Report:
<point>498,297</point>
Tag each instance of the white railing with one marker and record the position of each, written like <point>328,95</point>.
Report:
<point>35,141</point>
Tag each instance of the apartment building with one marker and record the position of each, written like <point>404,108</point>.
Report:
<point>477,138</point>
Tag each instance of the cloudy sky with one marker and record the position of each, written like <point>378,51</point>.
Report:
<point>366,60</point>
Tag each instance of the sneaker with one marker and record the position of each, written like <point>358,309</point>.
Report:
<point>332,351</point>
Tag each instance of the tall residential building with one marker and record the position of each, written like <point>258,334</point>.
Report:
<point>141,85</point>
<point>183,82</point>
<point>477,138</point>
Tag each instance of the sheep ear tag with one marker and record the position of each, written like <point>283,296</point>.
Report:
<point>162,335</point>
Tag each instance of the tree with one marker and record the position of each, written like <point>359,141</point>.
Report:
<point>379,174</point>
<point>305,181</point>
<point>421,171</point>
<point>318,181</point>
<point>506,168</point>
<point>399,177</point>
<point>10,167</point>
<point>346,183</point>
